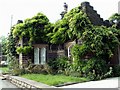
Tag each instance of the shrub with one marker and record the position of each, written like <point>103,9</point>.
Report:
<point>116,71</point>
<point>48,69</point>
<point>95,69</point>
<point>19,71</point>
<point>29,68</point>
<point>59,65</point>
<point>62,63</point>
<point>78,51</point>
<point>38,69</point>
<point>53,65</point>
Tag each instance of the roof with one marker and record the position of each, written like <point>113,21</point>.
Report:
<point>92,14</point>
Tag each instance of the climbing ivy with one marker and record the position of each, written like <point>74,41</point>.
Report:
<point>70,27</point>
<point>34,30</point>
<point>98,40</point>
<point>101,41</point>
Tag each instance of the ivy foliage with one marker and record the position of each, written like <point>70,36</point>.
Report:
<point>114,17</point>
<point>32,30</point>
<point>78,22</point>
<point>98,40</point>
<point>59,34</point>
<point>101,40</point>
<point>70,27</point>
<point>35,29</point>
<point>25,50</point>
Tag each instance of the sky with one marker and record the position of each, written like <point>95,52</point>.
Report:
<point>13,10</point>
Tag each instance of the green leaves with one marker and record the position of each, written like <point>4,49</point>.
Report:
<point>101,40</point>
<point>59,34</point>
<point>70,27</point>
<point>34,28</point>
<point>25,49</point>
<point>114,17</point>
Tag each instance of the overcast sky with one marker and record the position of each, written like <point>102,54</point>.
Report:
<point>22,9</point>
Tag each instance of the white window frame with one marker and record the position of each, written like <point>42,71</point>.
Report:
<point>69,53</point>
<point>43,57</point>
<point>36,50</point>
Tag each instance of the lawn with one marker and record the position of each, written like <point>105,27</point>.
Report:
<point>53,79</point>
<point>4,69</point>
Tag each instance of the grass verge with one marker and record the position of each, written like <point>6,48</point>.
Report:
<point>53,79</point>
<point>4,69</point>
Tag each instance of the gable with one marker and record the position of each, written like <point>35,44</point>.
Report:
<point>92,14</point>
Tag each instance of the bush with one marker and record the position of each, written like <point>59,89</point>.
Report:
<point>116,71</point>
<point>53,65</point>
<point>95,69</point>
<point>19,71</point>
<point>62,63</point>
<point>59,65</point>
<point>78,51</point>
<point>48,69</point>
<point>39,69</point>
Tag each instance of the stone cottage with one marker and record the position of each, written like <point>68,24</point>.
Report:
<point>44,51</point>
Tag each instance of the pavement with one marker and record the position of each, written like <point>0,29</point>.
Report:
<point>6,84</point>
<point>106,83</point>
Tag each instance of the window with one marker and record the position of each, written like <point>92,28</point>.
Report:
<point>43,55</point>
<point>69,50</point>
<point>36,55</point>
<point>39,55</point>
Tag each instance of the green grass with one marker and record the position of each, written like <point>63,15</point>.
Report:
<point>53,79</point>
<point>4,69</point>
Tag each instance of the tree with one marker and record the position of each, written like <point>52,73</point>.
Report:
<point>11,44</point>
<point>115,20</point>
<point>115,17</point>
<point>4,44</point>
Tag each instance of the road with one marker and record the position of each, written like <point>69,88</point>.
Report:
<point>5,84</point>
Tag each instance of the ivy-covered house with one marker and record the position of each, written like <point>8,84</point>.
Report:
<point>44,52</point>
<point>60,44</point>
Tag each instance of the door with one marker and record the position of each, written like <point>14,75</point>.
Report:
<point>36,55</point>
<point>43,55</point>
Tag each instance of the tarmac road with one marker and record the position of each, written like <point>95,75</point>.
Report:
<point>5,84</point>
